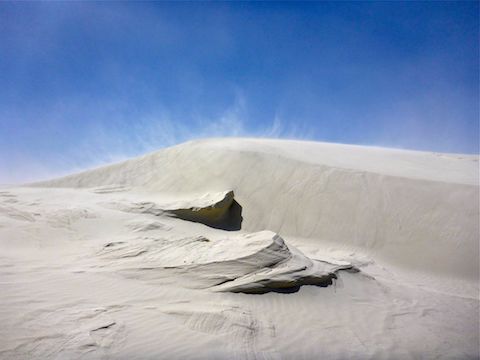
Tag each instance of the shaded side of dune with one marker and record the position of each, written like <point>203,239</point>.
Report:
<point>225,214</point>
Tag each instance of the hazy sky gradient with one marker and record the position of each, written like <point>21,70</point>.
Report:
<point>82,84</point>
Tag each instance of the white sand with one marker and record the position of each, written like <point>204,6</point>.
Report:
<point>322,251</point>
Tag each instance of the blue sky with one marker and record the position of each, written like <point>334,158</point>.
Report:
<point>85,83</point>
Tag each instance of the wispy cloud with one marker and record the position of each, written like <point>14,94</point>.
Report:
<point>115,139</point>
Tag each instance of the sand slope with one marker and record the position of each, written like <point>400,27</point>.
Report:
<point>409,207</point>
<point>245,249</point>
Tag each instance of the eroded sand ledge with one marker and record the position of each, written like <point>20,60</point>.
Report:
<point>251,263</point>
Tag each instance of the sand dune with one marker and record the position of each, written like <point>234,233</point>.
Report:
<point>246,249</point>
<point>407,207</point>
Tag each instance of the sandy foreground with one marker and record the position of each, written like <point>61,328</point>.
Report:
<point>246,249</point>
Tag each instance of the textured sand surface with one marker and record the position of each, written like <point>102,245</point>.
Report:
<point>245,249</point>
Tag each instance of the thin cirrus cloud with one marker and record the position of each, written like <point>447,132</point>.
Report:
<point>108,142</point>
<point>84,84</point>
<point>159,129</point>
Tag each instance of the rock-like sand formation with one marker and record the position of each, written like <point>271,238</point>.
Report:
<point>218,210</point>
<point>251,263</point>
<point>245,249</point>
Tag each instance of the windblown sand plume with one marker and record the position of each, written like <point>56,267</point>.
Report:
<point>246,249</point>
